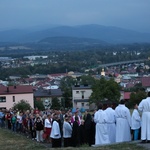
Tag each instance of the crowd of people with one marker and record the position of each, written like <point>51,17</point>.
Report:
<point>103,126</point>
<point>51,126</point>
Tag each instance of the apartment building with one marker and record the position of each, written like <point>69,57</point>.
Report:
<point>11,95</point>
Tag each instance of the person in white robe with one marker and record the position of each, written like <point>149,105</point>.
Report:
<point>136,122</point>
<point>123,123</point>
<point>111,123</point>
<point>67,132</point>
<point>144,107</point>
<point>55,133</point>
<point>101,135</point>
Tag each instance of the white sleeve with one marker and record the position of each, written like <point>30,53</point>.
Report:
<point>96,117</point>
<point>137,116</point>
<point>128,117</point>
<point>45,123</point>
<point>140,107</point>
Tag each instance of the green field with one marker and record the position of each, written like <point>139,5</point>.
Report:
<point>14,141</point>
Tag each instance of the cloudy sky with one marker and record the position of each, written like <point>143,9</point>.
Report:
<point>130,14</point>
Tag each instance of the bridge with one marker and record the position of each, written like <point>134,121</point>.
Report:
<point>120,63</point>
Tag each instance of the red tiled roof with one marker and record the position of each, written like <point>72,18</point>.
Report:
<point>127,95</point>
<point>116,74</point>
<point>145,81</point>
<point>58,74</point>
<point>21,89</point>
<point>129,85</point>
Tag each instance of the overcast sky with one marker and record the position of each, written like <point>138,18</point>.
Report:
<point>130,14</point>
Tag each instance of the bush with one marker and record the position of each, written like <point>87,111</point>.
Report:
<point>39,104</point>
<point>22,105</point>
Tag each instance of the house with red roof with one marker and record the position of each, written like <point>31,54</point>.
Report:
<point>125,95</point>
<point>11,95</point>
<point>146,83</point>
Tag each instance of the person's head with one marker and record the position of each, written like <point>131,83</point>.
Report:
<point>55,117</point>
<point>135,106</point>
<point>66,117</point>
<point>38,119</point>
<point>114,105</point>
<point>37,115</point>
<point>31,116</point>
<point>21,114</point>
<point>88,116</point>
<point>76,113</point>
<point>82,122</point>
<point>48,116</point>
<point>100,106</point>
<point>105,106</point>
<point>122,101</point>
<point>69,117</point>
<point>76,118</point>
<point>148,94</point>
<point>109,104</point>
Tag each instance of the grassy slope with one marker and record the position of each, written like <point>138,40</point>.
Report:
<point>13,141</point>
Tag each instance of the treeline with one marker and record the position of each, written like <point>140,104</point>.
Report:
<point>44,48</point>
<point>78,61</point>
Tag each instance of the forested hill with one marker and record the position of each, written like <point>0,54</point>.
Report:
<point>108,34</point>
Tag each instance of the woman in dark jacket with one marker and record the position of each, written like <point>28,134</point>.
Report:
<point>88,129</point>
<point>75,130</point>
<point>81,133</point>
<point>31,127</point>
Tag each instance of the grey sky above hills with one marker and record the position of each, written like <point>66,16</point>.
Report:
<point>23,14</point>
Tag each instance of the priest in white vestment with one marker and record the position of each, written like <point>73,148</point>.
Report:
<point>144,107</point>
<point>111,123</point>
<point>123,123</point>
<point>100,118</point>
<point>55,133</point>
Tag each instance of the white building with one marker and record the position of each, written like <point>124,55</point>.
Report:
<point>35,57</point>
<point>81,95</point>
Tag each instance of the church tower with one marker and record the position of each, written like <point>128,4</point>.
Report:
<point>103,72</point>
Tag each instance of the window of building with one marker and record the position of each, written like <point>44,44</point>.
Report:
<point>77,92</point>
<point>82,93</point>
<point>3,108</point>
<point>2,99</point>
<point>13,98</point>
<point>82,104</point>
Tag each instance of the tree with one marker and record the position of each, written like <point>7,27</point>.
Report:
<point>138,70</point>
<point>135,98</point>
<point>66,83</point>
<point>104,89</point>
<point>22,105</point>
<point>55,103</point>
<point>67,103</point>
<point>39,104</point>
<point>87,80</point>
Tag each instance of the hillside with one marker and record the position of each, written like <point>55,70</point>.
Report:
<point>107,34</point>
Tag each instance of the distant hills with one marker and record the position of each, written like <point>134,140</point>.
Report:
<point>85,34</point>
